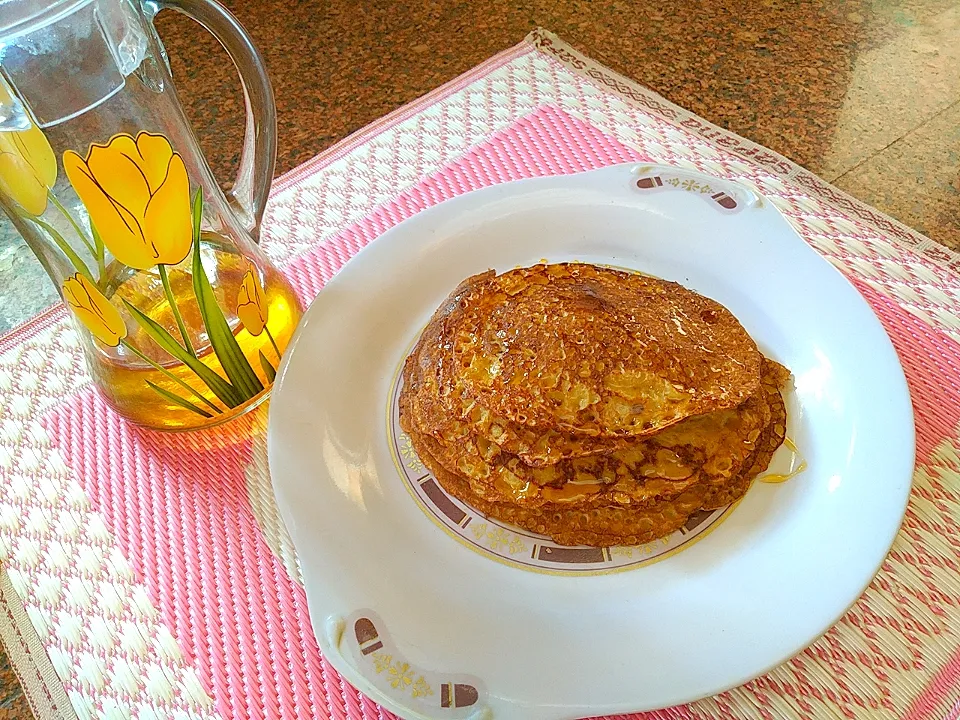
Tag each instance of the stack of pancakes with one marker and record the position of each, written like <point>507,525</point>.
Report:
<point>594,406</point>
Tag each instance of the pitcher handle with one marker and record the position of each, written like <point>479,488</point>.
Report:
<point>249,193</point>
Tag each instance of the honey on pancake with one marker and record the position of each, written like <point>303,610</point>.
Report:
<point>525,491</point>
<point>599,390</point>
<point>571,492</point>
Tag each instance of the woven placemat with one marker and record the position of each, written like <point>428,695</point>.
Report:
<point>147,575</point>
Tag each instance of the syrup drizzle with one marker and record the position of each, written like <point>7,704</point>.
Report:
<point>795,466</point>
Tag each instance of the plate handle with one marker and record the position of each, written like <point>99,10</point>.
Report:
<point>364,644</point>
<point>725,196</point>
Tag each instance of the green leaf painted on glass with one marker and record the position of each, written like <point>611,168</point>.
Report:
<point>176,399</point>
<point>273,342</point>
<point>99,248</point>
<point>76,226</point>
<point>227,393</point>
<point>267,368</point>
<point>182,383</point>
<point>65,248</point>
<point>225,345</point>
<point>175,309</point>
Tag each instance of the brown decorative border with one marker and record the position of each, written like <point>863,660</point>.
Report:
<point>42,687</point>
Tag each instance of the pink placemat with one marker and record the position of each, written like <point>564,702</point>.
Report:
<point>147,575</point>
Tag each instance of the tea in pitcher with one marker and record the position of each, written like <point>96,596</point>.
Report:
<point>267,314</point>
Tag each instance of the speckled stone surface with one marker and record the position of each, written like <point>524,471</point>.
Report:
<point>784,74</point>
<point>917,178</point>
<point>894,87</point>
<point>862,92</point>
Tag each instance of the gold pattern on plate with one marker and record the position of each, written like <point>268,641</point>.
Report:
<point>409,455</point>
<point>497,537</point>
<point>401,675</point>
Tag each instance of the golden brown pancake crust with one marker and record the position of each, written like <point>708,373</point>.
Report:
<point>611,525</point>
<point>560,361</point>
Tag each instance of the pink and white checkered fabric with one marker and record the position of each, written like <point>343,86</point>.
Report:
<point>147,575</point>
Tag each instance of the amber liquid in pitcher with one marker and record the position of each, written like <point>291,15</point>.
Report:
<point>122,376</point>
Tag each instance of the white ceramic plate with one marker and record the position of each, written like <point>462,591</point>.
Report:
<point>435,612</point>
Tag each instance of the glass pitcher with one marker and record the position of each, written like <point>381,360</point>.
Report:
<point>183,319</point>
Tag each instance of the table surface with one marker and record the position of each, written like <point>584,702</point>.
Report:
<point>864,93</point>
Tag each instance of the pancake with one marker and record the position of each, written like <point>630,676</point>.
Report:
<point>604,526</point>
<point>598,352</point>
<point>440,407</point>
<point>524,400</point>
<point>767,444</point>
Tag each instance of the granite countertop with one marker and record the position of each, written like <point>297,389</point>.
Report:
<point>863,92</point>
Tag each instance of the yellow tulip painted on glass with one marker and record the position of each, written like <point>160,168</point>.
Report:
<point>138,196</point>
<point>94,310</point>
<point>28,168</point>
<point>250,308</point>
